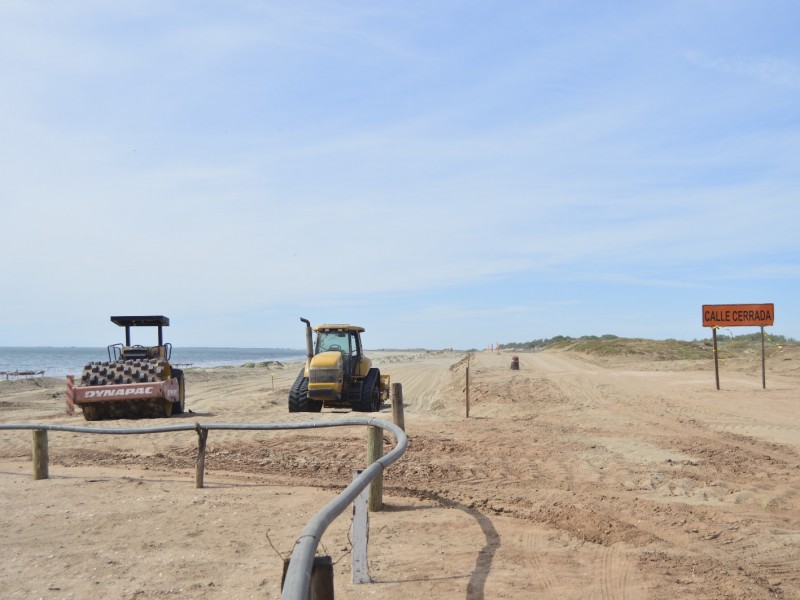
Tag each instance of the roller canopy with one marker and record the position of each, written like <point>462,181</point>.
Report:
<point>147,321</point>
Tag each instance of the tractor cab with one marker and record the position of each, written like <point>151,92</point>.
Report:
<point>345,340</point>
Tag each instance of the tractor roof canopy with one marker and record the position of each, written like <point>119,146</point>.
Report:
<point>147,321</point>
<point>339,327</point>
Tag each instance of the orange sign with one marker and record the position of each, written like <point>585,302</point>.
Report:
<point>738,315</point>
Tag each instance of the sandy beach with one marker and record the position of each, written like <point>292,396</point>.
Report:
<point>575,477</point>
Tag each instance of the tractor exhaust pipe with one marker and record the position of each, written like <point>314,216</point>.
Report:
<point>309,346</point>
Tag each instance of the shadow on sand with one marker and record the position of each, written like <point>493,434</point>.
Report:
<point>483,561</point>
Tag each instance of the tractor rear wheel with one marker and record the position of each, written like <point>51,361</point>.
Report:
<point>370,398</point>
<point>376,396</point>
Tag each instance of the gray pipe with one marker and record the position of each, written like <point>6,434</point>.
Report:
<point>298,575</point>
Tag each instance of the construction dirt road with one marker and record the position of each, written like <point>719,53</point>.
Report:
<point>574,477</point>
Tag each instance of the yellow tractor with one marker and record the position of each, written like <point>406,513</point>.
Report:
<point>336,373</point>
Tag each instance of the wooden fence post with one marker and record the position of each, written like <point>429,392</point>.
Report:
<point>40,454</point>
<point>321,585</point>
<point>375,452</point>
<point>360,564</point>
<point>397,406</point>
<point>200,463</point>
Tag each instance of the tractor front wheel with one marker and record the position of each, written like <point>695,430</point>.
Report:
<point>298,396</point>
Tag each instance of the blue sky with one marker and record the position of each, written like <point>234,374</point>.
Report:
<point>446,174</point>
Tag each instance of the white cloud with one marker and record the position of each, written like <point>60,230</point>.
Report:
<point>775,71</point>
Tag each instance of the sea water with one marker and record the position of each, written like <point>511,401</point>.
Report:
<point>60,362</point>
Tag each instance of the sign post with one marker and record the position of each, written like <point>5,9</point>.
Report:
<point>716,355</point>
<point>763,363</point>
<point>739,315</point>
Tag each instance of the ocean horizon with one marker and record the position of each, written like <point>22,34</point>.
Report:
<point>57,361</point>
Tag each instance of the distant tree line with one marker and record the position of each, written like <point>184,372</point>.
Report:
<point>756,337</point>
<point>561,340</point>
